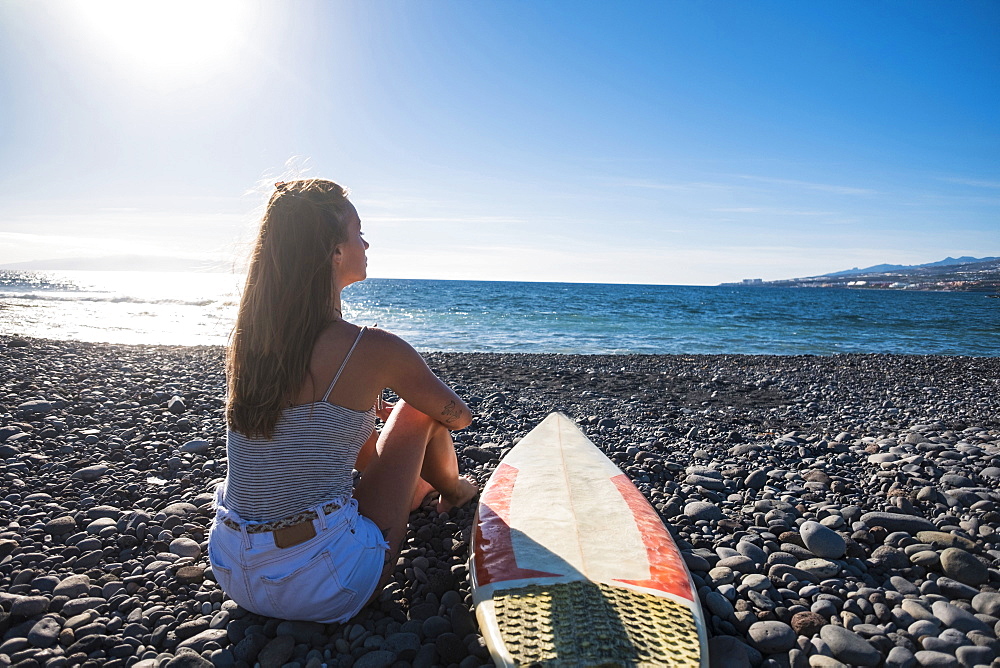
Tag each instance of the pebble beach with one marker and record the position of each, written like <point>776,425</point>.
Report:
<point>833,510</point>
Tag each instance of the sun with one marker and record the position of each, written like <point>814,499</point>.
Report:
<point>176,39</point>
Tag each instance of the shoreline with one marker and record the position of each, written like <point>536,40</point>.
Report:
<point>111,451</point>
<point>6,338</point>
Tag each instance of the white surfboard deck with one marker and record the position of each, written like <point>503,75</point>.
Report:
<point>561,529</point>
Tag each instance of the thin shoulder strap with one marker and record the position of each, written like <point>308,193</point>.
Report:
<point>343,364</point>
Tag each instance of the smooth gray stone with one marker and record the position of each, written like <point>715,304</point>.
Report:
<point>721,575</point>
<point>197,446</point>
<point>7,432</point>
<point>822,541</point>
<point>8,546</point>
<point>923,627</point>
<point>956,618</point>
<point>849,647</point>
<point>759,600</point>
<point>900,657</point>
<point>35,406</point>
<point>954,589</point>
<point>98,512</point>
<point>705,481</point>
<point>29,606</point>
<point>936,659</point>
<point>73,586</point>
<point>751,552</point>
<point>13,646</point>
<point>180,509</point>
<point>964,567</point>
<point>821,568</point>
<point>972,655</point>
<point>727,652</point>
<point>91,473</point>
<point>955,480</point>
<point>771,637</point>
<point>188,660</point>
<point>45,632</point>
<point>824,608</point>
<point>890,557</point>
<point>903,586</point>
<point>60,525</point>
<point>897,522</point>
<point>78,605</point>
<point>703,510</point>
<point>738,563</point>
<point>479,455</point>
<point>404,645</point>
<point>778,571</point>
<point>303,632</point>
<point>719,605</point>
<point>756,480</point>
<point>377,659</point>
<point>249,648</point>
<point>942,539</point>
<point>435,625</point>
<point>176,405</point>
<point>948,641</point>
<point>45,583</point>
<point>275,653</point>
<point>185,547</point>
<point>197,642</point>
<point>987,602</point>
<point>696,562</point>
<point>757,581</point>
<point>926,558</point>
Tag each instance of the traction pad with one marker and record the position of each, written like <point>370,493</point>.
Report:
<point>595,624</point>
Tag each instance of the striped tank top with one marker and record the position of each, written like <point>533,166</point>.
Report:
<point>307,461</point>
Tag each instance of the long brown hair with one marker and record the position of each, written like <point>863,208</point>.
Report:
<point>287,301</point>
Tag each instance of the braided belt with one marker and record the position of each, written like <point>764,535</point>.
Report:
<point>285,522</point>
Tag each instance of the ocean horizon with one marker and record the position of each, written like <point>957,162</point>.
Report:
<point>189,308</point>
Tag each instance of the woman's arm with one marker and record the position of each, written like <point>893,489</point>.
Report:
<point>408,375</point>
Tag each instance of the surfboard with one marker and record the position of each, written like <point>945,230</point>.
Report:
<point>571,566</point>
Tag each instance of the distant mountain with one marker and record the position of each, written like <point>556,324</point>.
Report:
<point>963,274</point>
<point>885,268</point>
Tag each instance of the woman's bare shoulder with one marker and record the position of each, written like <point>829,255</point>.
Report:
<point>385,342</point>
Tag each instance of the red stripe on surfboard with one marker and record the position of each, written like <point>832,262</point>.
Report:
<point>666,565</point>
<point>495,560</point>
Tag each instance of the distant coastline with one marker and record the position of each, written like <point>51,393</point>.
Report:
<point>949,275</point>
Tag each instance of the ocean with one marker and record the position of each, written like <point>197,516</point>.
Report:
<point>499,316</point>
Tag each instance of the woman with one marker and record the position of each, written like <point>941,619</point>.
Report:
<point>294,538</point>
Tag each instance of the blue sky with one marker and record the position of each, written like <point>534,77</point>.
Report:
<point>663,142</point>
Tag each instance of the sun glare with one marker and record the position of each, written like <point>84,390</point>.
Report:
<point>176,39</point>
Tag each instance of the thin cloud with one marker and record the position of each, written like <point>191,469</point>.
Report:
<point>687,186</point>
<point>772,211</point>
<point>825,187</point>
<point>976,183</point>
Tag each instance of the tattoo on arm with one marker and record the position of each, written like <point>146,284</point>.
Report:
<point>451,412</point>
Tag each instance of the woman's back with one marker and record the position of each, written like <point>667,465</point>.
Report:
<point>308,461</point>
<point>310,455</point>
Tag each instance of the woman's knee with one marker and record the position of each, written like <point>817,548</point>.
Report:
<point>406,415</point>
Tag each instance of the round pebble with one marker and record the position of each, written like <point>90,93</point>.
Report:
<point>822,541</point>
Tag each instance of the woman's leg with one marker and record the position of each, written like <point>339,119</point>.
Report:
<point>365,456</point>
<point>411,447</point>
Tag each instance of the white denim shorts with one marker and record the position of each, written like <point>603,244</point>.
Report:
<point>326,579</point>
